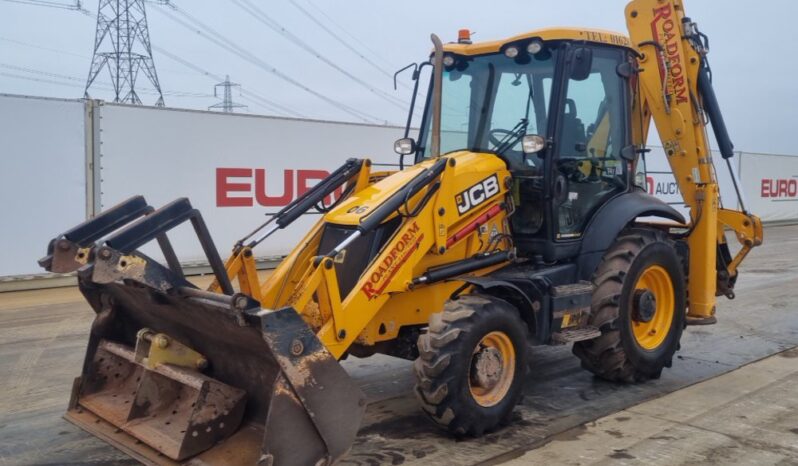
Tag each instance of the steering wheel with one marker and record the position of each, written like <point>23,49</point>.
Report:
<point>496,135</point>
<point>571,167</point>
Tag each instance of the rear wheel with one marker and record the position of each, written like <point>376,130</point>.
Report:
<point>472,364</point>
<point>639,306</point>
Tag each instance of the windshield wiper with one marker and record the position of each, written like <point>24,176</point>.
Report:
<point>518,132</point>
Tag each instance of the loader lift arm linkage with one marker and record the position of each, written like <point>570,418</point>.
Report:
<point>458,262</point>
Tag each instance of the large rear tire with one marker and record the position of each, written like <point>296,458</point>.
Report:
<point>472,364</point>
<point>639,306</point>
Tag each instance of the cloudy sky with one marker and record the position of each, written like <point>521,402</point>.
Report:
<point>47,52</point>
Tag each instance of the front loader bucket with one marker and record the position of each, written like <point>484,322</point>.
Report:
<point>177,411</point>
<point>176,375</point>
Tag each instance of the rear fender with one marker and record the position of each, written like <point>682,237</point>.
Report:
<point>611,219</point>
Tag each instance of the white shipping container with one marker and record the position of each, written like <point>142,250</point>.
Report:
<point>42,177</point>
<point>661,183</point>
<point>233,167</point>
<point>771,186</point>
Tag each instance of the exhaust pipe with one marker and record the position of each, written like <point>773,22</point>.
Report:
<point>437,95</point>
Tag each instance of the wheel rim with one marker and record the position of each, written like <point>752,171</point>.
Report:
<point>492,369</point>
<point>651,330</point>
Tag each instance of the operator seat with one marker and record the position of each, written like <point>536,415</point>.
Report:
<point>574,139</point>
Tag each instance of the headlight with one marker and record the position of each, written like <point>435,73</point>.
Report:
<point>511,52</point>
<point>534,47</point>
<point>448,60</point>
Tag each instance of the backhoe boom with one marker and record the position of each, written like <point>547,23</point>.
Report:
<point>676,92</point>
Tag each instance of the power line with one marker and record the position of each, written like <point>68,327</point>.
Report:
<point>77,55</point>
<point>209,34</point>
<point>247,94</point>
<point>231,46</point>
<point>45,3</point>
<point>341,40</point>
<point>332,21</point>
<point>272,24</point>
<point>75,85</point>
<point>102,85</point>
<point>352,48</point>
<point>26,44</point>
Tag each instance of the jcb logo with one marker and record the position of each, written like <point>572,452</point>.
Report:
<point>477,194</point>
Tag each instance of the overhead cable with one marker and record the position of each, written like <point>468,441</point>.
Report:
<point>209,34</point>
<point>272,24</point>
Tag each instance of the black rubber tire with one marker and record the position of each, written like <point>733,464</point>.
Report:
<point>445,355</point>
<point>616,355</point>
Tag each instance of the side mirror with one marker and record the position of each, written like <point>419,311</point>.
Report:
<point>581,63</point>
<point>533,144</point>
<point>405,146</point>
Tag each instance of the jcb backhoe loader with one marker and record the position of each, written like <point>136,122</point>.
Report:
<point>522,220</point>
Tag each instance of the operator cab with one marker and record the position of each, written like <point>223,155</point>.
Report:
<point>554,105</point>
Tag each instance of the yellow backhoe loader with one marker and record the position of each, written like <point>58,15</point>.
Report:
<point>522,220</point>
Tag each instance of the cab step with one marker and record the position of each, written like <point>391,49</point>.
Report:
<point>577,334</point>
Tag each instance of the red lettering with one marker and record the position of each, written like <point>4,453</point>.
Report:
<point>302,178</point>
<point>779,188</point>
<point>369,290</point>
<point>681,96</point>
<point>782,190</point>
<point>661,13</point>
<point>224,187</point>
<point>274,201</point>
<point>672,49</point>
<point>650,184</point>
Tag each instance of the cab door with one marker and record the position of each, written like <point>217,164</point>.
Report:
<point>593,130</point>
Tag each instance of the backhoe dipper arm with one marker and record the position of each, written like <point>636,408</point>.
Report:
<point>675,90</point>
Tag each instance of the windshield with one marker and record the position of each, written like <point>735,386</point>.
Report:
<point>490,102</point>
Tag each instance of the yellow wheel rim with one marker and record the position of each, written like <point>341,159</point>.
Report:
<point>650,335</point>
<point>492,369</point>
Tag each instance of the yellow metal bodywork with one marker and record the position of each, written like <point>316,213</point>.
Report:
<point>384,299</point>
<point>599,36</point>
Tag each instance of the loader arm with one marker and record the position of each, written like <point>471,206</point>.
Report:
<point>675,90</point>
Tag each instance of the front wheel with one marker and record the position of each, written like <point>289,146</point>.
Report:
<point>639,306</point>
<point>472,364</point>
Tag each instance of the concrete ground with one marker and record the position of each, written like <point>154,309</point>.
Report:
<point>746,417</point>
<point>43,336</point>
